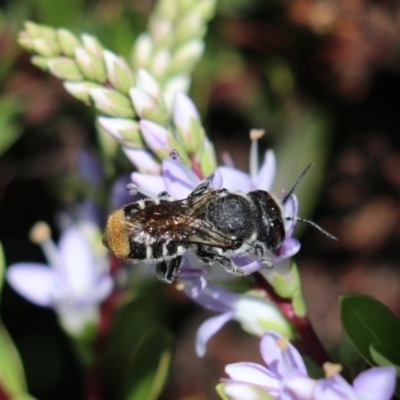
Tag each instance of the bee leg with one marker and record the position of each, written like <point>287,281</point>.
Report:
<point>202,187</point>
<point>164,195</point>
<point>262,255</point>
<point>226,262</point>
<point>166,270</point>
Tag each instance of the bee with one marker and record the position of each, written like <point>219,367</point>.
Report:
<point>214,224</point>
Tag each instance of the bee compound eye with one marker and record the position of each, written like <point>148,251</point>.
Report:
<point>277,235</point>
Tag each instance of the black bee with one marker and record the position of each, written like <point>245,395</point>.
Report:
<point>214,224</point>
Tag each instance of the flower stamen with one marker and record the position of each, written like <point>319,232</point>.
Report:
<point>40,234</point>
<point>255,134</point>
<point>331,369</point>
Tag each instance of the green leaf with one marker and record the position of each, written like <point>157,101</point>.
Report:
<point>11,371</point>
<point>383,355</point>
<point>368,322</point>
<point>2,267</point>
<point>150,366</point>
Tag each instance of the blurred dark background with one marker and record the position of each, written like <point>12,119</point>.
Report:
<point>320,76</point>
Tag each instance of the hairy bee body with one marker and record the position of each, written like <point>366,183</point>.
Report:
<point>214,224</point>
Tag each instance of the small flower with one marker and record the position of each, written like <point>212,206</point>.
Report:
<point>254,313</point>
<point>376,383</point>
<point>283,363</point>
<point>74,283</point>
<point>285,378</point>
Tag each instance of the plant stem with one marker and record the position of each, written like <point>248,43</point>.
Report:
<point>301,324</point>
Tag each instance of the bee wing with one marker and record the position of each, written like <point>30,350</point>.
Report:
<point>199,231</point>
<point>204,233</point>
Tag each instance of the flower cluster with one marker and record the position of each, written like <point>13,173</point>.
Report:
<point>285,377</point>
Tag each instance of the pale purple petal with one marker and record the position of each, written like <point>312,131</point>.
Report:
<point>256,374</point>
<point>282,362</point>
<point>335,388</point>
<point>33,281</point>
<point>90,168</point>
<point>227,159</point>
<point>234,179</point>
<point>150,183</point>
<point>155,136</point>
<point>142,159</point>
<point>289,248</point>
<point>120,194</point>
<point>179,179</point>
<point>194,284</point>
<point>208,329</point>
<point>184,109</point>
<point>291,209</point>
<point>297,387</point>
<point>78,262</point>
<point>103,288</point>
<point>252,267</point>
<point>215,298</point>
<point>216,180</point>
<point>266,174</point>
<point>377,383</point>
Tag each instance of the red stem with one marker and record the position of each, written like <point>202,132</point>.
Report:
<point>195,165</point>
<point>301,324</point>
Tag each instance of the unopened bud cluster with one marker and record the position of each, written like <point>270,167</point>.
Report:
<point>140,106</point>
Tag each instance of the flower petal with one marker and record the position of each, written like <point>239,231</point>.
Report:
<point>179,179</point>
<point>289,248</point>
<point>297,387</point>
<point>75,319</point>
<point>234,179</point>
<point>258,315</point>
<point>208,329</point>
<point>90,168</point>
<point>155,135</point>
<point>283,362</point>
<point>266,174</point>
<point>79,267</point>
<point>376,383</point>
<point>252,267</point>
<point>335,388</point>
<point>103,288</point>
<point>33,281</point>
<point>291,209</point>
<point>142,159</point>
<point>241,391</point>
<point>154,184</point>
<point>248,372</point>
<point>120,194</point>
<point>184,110</point>
<point>216,180</point>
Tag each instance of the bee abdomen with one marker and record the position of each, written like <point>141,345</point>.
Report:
<point>138,251</point>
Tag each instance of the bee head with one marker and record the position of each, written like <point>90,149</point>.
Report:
<point>116,237</point>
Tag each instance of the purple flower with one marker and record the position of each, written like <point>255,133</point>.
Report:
<point>377,383</point>
<point>255,313</point>
<point>285,378</point>
<point>283,364</point>
<point>74,283</point>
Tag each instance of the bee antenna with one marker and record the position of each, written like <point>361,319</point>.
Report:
<point>329,235</point>
<point>299,179</point>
